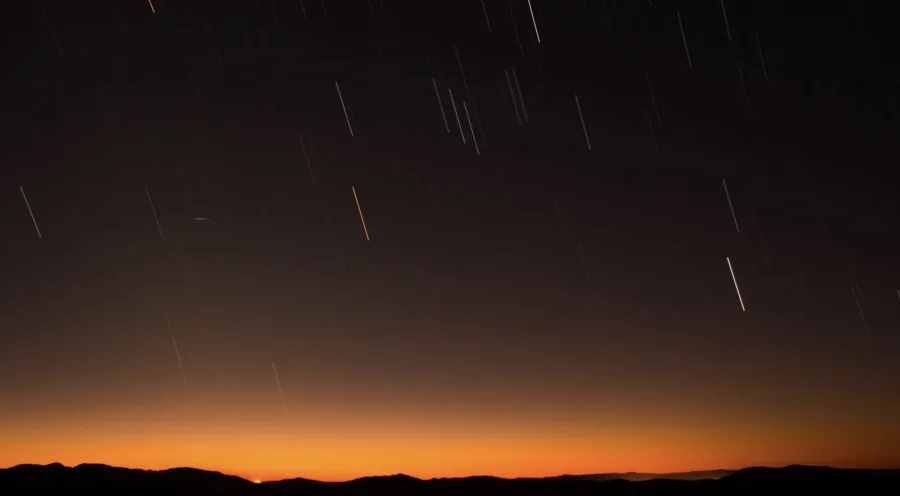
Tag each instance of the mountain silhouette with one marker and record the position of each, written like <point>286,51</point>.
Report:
<point>97,478</point>
<point>638,476</point>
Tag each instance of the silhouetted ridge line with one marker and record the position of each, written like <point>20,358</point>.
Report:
<point>810,473</point>
<point>98,478</point>
<point>641,476</point>
<point>388,478</point>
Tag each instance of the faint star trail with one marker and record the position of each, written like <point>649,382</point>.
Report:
<point>280,393</point>
<point>361,218</point>
<point>28,205</point>
<point>155,217</point>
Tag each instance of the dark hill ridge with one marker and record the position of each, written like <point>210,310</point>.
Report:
<point>637,476</point>
<point>96,478</point>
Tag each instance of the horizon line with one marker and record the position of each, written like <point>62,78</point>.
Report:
<point>257,480</point>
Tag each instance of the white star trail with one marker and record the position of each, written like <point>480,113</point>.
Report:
<point>684,40</point>
<point>155,217</point>
<point>521,98</point>
<point>175,344</point>
<point>361,218</point>
<point>736,288</point>
<point>583,127</point>
<point>152,8</point>
<point>178,356</point>
<point>516,31</point>
<point>462,72</point>
<point>730,206</point>
<point>346,116</point>
<point>725,16</point>
<point>653,99</point>
<point>280,393</point>
<point>472,129</point>
<point>462,133</point>
<point>486,19</point>
<point>862,316</point>
<point>440,104</point>
<point>306,157</point>
<point>512,94</point>
<point>762,59</point>
<point>534,22</point>
<point>53,33</point>
<point>469,95</point>
<point>275,15</point>
<point>503,94</point>
<point>28,206</point>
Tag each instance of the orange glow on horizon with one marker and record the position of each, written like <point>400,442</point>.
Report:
<point>260,452</point>
<point>535,431</point>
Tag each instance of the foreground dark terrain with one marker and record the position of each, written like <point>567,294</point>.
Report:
<point>35,479</point>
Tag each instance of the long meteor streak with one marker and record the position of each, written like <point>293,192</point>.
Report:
<point>736,288</point>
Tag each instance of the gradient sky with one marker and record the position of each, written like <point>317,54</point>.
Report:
<point>478,331</point>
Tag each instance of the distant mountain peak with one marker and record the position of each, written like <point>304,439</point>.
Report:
<point>394,477</point>
<point>33,466</point>
<point>96,465</point>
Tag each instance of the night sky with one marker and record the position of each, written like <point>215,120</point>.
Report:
<point>544,307</point>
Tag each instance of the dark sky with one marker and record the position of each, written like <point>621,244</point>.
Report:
<point>540,308</point>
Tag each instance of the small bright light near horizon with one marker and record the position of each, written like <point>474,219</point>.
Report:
<point>257,481</point>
